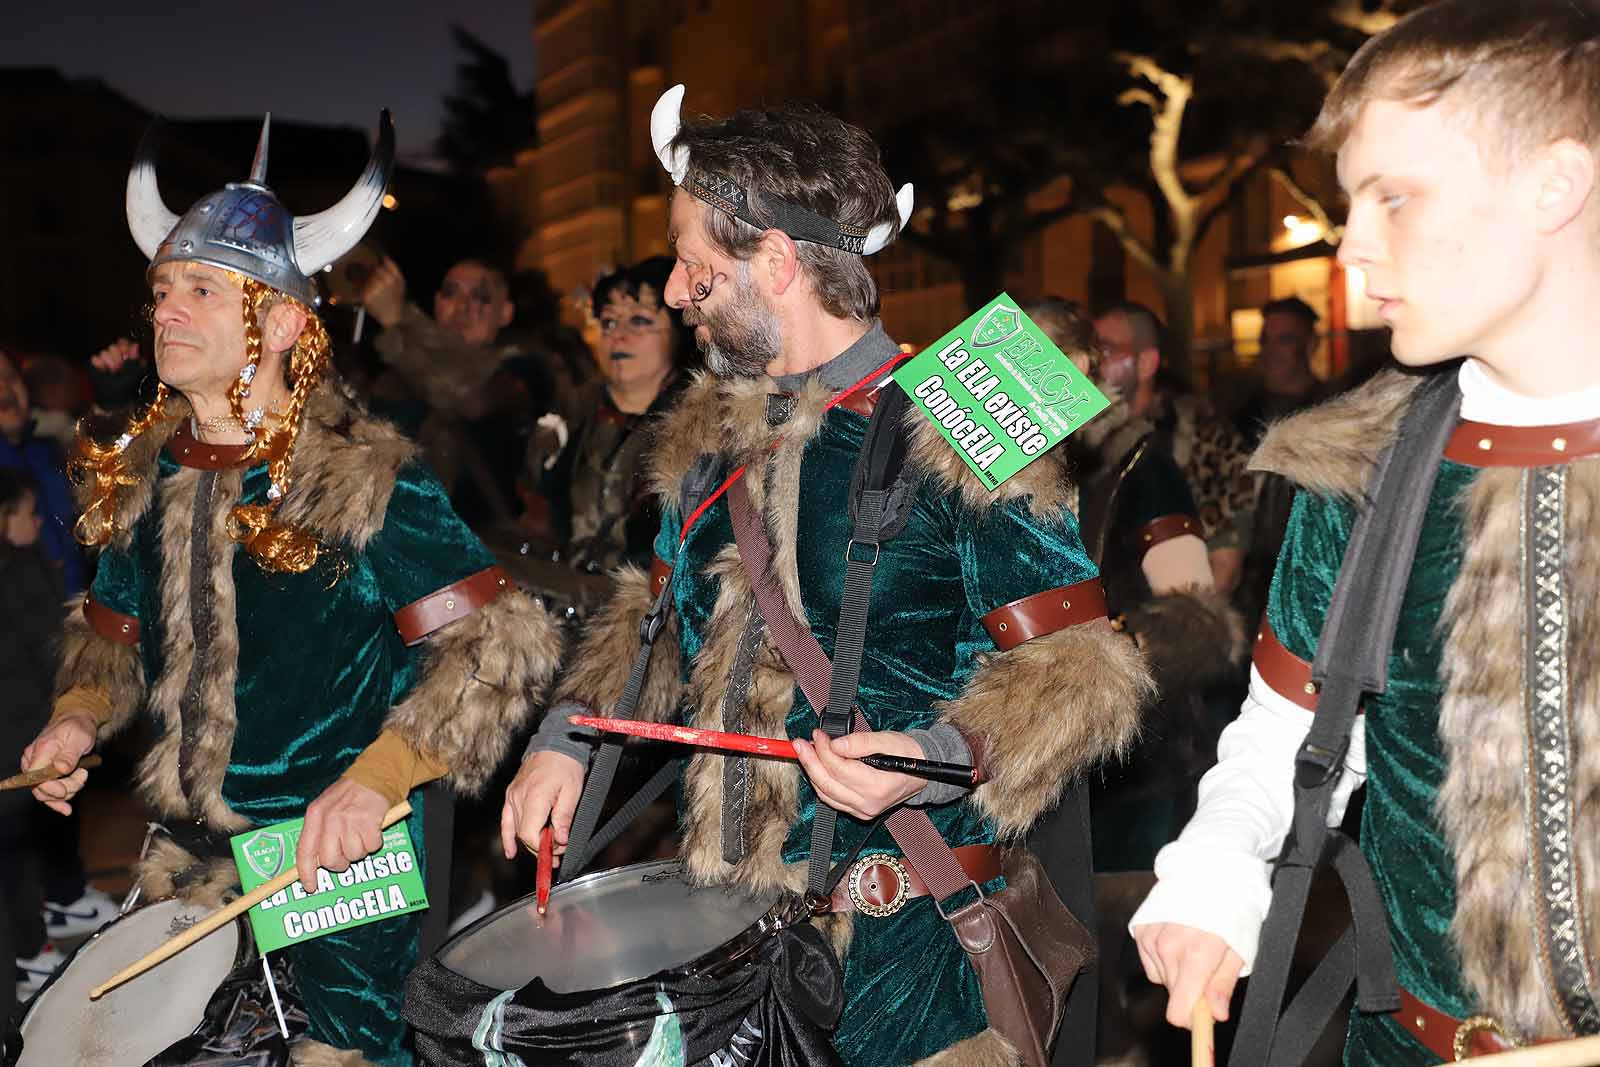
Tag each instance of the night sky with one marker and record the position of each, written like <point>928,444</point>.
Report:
<point>337,61</point>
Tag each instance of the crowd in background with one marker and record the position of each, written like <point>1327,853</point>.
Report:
<point>543,444</point>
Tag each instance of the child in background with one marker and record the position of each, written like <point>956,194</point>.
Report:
<point>30,626</point>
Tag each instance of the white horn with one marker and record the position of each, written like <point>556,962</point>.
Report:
<point>884,232</point>
<point>322,238</point>
<point>664,122</point>
<point>148,217</point>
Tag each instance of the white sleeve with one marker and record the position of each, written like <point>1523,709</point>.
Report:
<point>1215,876</point>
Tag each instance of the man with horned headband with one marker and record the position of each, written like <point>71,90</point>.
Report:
<point>1468,141</point>
<point>773,213</point>
<point>285,589</point>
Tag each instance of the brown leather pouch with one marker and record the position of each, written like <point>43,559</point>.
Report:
<point>1027,949</point>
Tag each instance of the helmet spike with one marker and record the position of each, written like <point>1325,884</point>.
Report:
<point>258,166</point>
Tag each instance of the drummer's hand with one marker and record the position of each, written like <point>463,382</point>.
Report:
<point>545,790</point>
<point>853,787</point>
<point>114,356</point>
<point>384,296</point>
<point>343,825</point>
<point>61,745</point>
<point>1191,963</point>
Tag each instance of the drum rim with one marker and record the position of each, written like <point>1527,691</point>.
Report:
<point>788,909</point>
<point>242,954</point>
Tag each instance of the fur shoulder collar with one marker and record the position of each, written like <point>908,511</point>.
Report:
<point>1045,483</point>
<point>1333,447</point>
<point>344,468</point>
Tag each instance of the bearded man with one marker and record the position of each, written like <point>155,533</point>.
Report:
<point>286,590</point>
<point>774,211</point>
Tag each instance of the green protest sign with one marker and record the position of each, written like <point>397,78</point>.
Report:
<point>385,884</point>
<point>999,390</point>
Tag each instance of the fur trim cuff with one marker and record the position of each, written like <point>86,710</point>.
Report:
<point>89,660</point>
<point>309,1053</point>
<point>1045,712</point>
<point>597,672</point>
<point>480,678</point>
<point>1190,637</point>
<point>983,1049</point>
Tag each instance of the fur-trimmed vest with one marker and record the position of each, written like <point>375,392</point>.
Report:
<point>265,686</point>
<point>1453,826</point>
<point>1043,711</point>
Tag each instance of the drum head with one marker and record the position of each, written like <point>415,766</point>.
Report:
<point>602,930</point>
<point>141,1018</point>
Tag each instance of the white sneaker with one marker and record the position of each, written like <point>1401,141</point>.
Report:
<point>33,972</point>
<point>83,916</point>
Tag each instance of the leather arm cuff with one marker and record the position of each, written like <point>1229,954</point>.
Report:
<point>1044,613</point>
<point>660,575</point>
<point>392,767</point>
<point>83,700</point>
<point>111,625</point>
<point>422,617</point>
<point>1284,672</point>
<point>1165,528</point>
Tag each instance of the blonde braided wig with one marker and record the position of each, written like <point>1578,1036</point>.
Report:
<point>274,546</point>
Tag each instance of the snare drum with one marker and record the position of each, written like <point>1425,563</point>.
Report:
<point>140,1019</point>
<point>611,928</point>
<point>627,958</point>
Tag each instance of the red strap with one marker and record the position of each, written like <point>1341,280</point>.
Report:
<point>835,401</point>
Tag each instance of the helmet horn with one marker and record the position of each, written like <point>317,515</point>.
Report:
<point>322,238</point>
<point>665,118</point>
<point>148,217</point>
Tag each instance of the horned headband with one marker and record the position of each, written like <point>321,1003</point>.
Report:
<point>727,196</point>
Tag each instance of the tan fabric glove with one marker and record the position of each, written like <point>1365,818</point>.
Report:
<point>83,700</point>
<point>392,768</point>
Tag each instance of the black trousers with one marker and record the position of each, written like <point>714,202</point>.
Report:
<point>1061,841</point>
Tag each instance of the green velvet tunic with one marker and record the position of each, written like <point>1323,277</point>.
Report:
<point>909,991</point>
<point>320,665</point>
<point>1400,835</point>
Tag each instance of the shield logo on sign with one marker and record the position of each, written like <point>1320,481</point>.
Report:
<point>264,851</point>
<point>1001,324</point>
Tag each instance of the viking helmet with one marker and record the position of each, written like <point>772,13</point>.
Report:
<point>798,221</point>
<point>246,229</point>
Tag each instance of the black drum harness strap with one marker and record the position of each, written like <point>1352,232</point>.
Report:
<point>1352,660</point>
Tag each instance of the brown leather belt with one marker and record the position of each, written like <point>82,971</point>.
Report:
<point>109,624</point>
<point>1450,1038</point>
<point>879,884</point>
<point>1482,444</point>
<point>422,617</point>
<point>1011,624</point>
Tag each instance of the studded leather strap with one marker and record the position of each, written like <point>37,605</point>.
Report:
<point>422,617</point>
<point>1044,613</point>
<point>111,625</point>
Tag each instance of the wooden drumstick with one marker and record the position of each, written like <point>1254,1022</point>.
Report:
<point>1202,1038</point>
<point>220,919</point>
<point>29,779</point>
<point>1579,1052</point>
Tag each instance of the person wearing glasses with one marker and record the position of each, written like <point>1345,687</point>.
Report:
<point>592,488</point>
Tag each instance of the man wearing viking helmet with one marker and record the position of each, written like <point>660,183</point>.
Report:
<point>284,587</point>
<point>774,213</point>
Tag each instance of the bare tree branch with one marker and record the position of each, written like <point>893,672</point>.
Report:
<point>1140,96</point>
<point>1116,220</point>
<point>1350,13</point>
<point>1305,199</point>
<point>1165,127</point>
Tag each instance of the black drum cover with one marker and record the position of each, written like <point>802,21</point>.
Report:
<point>777,1007</point>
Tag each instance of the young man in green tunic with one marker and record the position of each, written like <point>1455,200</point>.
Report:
<point>1467,141</point>
<point>285,590</point>
<point>786,313</point>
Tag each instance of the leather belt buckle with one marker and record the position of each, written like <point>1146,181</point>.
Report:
<point>1474,1025</point>
<point>879,884</point>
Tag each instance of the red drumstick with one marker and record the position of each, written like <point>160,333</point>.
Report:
<point>542,875</point>
<point>932,770</point>
<point>686,735</point>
